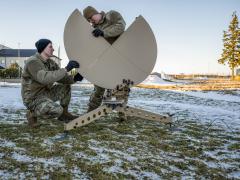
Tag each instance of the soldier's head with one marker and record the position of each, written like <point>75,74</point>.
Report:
<point>92,15</point>
<point>44,47</point>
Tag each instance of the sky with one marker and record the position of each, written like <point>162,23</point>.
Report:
<point>188,32</point>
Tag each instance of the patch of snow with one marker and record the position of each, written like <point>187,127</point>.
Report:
<point>22,157</point>
<point>1,155</point>
<point>10,98</point>
<point>101,151</point>
<point>116,168</point>
<point>10,84</point>
<point>234,175</point>
<point>5,175</point>
<point>78,174</point>
<point>54,161</point>
<point>138,174</point>
<point>211,95</point>
<point>99,158</point>
<point>47,143</point>
<point>67,145</point>
<point>148,175</point>
<point>155,80</point>
<point>4,143</point>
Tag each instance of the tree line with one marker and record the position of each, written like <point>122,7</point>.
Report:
<point>14,71</point>
<point>231,45</point>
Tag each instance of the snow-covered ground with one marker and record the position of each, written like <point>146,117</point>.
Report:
<point>215,115</point>
<point>212,106</point>
<point>207,107</point>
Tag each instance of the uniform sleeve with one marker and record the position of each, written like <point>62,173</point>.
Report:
<point>117,24</point>
<point>43,76</point>
<point>68,79</point>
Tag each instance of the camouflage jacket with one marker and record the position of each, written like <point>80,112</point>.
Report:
<point>112,24</point>
<point>39,75</point>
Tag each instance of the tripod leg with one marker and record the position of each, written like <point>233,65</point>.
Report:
<point>131,111</point>
<point>87,118</point>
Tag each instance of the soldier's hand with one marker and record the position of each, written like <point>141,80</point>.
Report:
<point>97,32</point>
<point>72,64</point>
<point>78,77</point>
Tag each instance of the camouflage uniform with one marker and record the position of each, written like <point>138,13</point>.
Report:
<point>39,93</point>
<point>113,25</point>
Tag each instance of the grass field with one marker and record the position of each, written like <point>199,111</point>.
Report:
<point>214,84</point>
<point>204,141</point>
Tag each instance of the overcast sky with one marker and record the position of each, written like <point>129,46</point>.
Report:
<point>188,32</point>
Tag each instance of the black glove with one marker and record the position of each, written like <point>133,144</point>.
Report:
<point>72,64</point>
<point>97,32</point>
<point>78,77</point>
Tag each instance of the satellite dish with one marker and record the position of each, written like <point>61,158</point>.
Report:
<point>132,56</point>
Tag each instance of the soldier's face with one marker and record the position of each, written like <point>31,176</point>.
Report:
<point>95,19</point>
<point>49,50</point>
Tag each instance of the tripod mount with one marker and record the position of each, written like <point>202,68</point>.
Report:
<point>115,100</point>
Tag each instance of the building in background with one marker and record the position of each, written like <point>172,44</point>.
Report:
<point>238,72</point>
<point>10,56</point>
<point>3,47</point>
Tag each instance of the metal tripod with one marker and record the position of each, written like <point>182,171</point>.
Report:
<point>113,101</point>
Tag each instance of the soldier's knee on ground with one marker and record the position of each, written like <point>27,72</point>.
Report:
<point>49,110</point>
<point>58,111</point>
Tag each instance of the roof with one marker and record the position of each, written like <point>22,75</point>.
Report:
<point>17,52</point>
<point>1,67</point>
<point>3,47</point>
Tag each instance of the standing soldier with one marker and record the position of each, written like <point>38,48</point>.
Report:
<point>109,25</point>
<point>39,90</point>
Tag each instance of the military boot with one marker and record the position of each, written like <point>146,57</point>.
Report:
<point>66,116</point>
<point>32,120</point>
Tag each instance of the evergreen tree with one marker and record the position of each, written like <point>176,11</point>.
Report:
<point>231,43</point>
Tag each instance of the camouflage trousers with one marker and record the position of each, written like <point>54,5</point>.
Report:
<point>96,99</point>
<point>45,105</point>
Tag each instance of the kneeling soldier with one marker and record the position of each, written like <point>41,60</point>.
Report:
<point>39,90</point>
